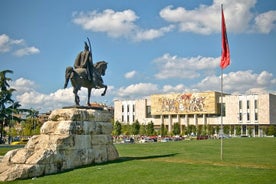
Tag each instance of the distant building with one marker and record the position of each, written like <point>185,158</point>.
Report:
<point>248,114</point>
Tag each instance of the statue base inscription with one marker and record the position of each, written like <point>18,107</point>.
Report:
<point>72,137</point>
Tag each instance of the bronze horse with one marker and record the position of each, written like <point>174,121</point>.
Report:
<point>78,78</point>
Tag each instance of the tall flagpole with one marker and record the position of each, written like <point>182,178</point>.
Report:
<point>221,94</point>
<point>225,61</point>
<point>221,115</point>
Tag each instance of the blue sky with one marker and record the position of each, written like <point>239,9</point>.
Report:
<point>152,47</point>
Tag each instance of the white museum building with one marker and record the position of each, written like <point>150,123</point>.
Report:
<point>250,113</point>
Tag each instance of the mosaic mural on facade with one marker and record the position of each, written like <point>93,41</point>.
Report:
<point>184,103</point>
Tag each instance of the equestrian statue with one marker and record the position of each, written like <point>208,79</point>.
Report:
<point>86,74</point>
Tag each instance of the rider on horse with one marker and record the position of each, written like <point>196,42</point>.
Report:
<point>84,60</point>
<point>85,74</point>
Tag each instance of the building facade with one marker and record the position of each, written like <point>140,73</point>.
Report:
<point>242,114</point>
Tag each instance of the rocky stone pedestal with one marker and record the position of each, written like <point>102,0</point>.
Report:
<point>69,139</point>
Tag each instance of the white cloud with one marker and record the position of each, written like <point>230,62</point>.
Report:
<point>239,82</point>
<point>26,51</point>
<point>137,90</point>
<point>23,85</point>
<point>7,44</point>
<point>130,74</point>
<point>256,91</point>
<point>4,43</point>
<point>175,67</point>
<point>211,83</point>
<point>117,24</point>
<point>207,19</point>
<point>28,96</point>
<point>265,22</point>
<point>175,89</point>
<point>152,33</point>
<point>47,102</point>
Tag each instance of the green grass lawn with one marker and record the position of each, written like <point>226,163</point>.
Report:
<point>245,160</point>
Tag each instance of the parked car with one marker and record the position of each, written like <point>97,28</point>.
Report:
<point>224,136</point>
<point>202,137</point>
<point>166,139</point>
<point>146,139</point>
<point>129,141</point>
<point>2,141</point>
<point>20,142</point>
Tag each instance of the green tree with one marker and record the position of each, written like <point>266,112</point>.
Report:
<point>29,128</point>
<point>238,130</point>
<point>191,129</point>
<point>33,116</point>
<point>232,129</point>
<point>117,129</point>
<point>126,129</point>
<point>135,127</point>
<point>150,128</point>
<point>199,130</point>
<point>226,129</point>
<point>8,107</point>
<point>26,128</point>
<point>218,128</point>
<point>162,130</point>
<point>176,128</point>
<point>143,129</point>
<point>209,129</point>
<point>184,130</point>
<point>271,130</point>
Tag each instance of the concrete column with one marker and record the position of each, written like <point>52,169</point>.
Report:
<point>162,120</point>
<point>195,120</point>
<point>170,123</point>
<point>204,119</point>
<point>195,123</point>
<point>179,121</point>
<point>204,128</point>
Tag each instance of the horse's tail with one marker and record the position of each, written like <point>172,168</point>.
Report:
<point>68,73</point>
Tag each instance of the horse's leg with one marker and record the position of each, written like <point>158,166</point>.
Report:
<point>105,88</point>
<point>88,97</point>
<point>77,98</point>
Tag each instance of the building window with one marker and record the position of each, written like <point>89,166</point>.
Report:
<point>222,109</point>
<point>133,108</point>
<point>123,108</point>
<point>240,116</point>
<point>256,104</point>
<point>256,116</point>
<point>240,104</point>
<point>148,112</point>
<point>248,117</point>
<point>123,118</point>
<point>128,118</point>
<point>133,118</point>
<point>127,108</point>
<point>243,129</point>
<point>248,104</point>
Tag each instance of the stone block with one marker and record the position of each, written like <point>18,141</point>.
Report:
<point>70,139</point>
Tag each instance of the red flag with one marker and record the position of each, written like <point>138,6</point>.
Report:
<point>225,54</point>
